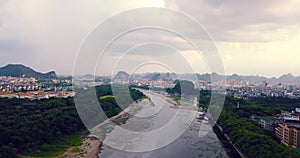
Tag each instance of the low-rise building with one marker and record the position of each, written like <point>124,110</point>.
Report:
<point>267,122</point>
<point>7,94</point>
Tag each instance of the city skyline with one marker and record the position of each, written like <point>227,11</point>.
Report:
<point>154,71</point>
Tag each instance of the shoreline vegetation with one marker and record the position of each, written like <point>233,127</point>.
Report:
<point>124,115</point>
<point>202,103</point>
<point>91,146</point>
<point>58,148</point>
<point>178,103</point>
<point>231,150</point>
<point>48,127</point>
<point>248,137</point>
<point>37,127</point>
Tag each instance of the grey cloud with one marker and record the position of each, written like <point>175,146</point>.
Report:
<point>2,2</point>
<point>14,51</point>
<point>10,46</point>
<point>60,29</point>
<point>145,36</point>
<point>226,19</point>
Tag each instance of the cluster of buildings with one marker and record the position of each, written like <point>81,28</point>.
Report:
<point>154,83</point>
<point>20,84</point>
<point>8,83</point>
<point>285,126</point>
<point>246,90</point>
<point>37,95</point>
<point>239,89</point>
<point>31,88</point>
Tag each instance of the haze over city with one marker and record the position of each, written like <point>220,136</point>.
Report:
<point>150,78</point>
<point>251,38</point>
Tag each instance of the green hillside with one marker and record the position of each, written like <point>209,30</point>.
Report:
<point>18,70</point>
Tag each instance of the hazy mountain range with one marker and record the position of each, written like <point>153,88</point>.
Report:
<point>18,70</point>
<point>286,78</point>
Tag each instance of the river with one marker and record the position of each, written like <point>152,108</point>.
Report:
<point>159,116</point>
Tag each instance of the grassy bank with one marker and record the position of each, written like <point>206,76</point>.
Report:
<point>175,98</point>
<point>59,147</point>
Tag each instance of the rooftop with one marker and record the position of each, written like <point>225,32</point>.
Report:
<point>290,119</point>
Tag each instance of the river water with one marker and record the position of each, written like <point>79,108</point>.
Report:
<point>166,142</point>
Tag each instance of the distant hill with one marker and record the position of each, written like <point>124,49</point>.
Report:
<point>89,76</point>
<point>121,75</point>
<point>153,76</point>
<point>207,77</point>
<point>18,70</point>
<point>286,78</point>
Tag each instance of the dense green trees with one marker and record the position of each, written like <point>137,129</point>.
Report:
<point>273,105</point>
<point>122,97</point>
<point>27,126</point>
<point>182,88</point>
<point>251,139</point>
<point>246,135</point>
<point>103,90</point>
<point>7,151</point>
<point>135,94</point>
<point>204,98</point>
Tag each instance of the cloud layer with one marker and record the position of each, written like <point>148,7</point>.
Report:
<point>254,37</point>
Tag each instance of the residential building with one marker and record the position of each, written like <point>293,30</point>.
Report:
<point>267,122</point>
<point>289,134</point>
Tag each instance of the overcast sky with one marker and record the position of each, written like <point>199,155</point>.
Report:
<point>253,37</point>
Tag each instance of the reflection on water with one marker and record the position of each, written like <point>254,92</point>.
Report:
<point>188,144</point>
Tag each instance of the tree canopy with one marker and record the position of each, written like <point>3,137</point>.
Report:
<point>27,126</point>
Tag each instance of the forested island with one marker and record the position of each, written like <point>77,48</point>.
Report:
<point>48,126</point>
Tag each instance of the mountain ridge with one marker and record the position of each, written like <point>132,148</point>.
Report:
<point>20,70</point>
<point>287,78</point>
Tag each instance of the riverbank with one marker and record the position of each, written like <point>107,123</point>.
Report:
<point>231,150</point>
<point>118,119</point>
<point>180,104</point>
<point>89,148</point>
<point>58,148</point>
<point>186,144</point>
